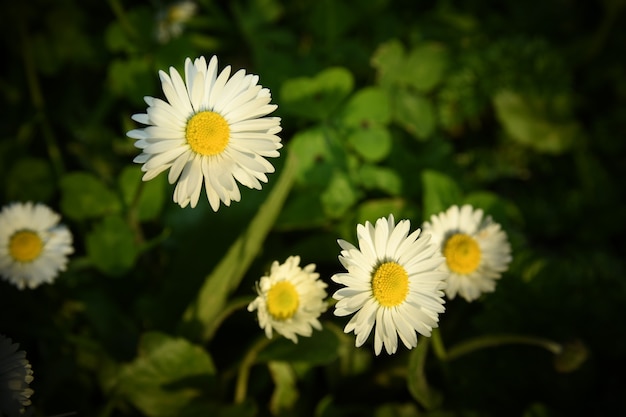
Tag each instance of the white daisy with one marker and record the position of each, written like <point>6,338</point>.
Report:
<point>210,130</point>
<point>171,21</point>
<point>393,282</point>
<point>33,245</point>
<point>15,375</point>
<point>290,299</point>
<point>475,247</point>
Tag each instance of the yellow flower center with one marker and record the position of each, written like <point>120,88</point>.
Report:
<point>207,133</point>
<point>390,284</point>
<point>462,253</point>
<point>282,300</point>
<point>25,246</point>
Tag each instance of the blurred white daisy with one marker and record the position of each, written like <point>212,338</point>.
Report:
<point>476,249</point>
<point>391,281</point>
<point>15,375</point>
<point>290,300</point>
<point>211,131</point>
<point>33,245</point>
<point>171,21</point>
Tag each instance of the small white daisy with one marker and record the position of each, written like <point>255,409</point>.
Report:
<point>15,376</point>
<point>391,281</point>
<point>210,131</point>
<point>290,299</point>
<point>33,245</point>
<point>476,249</point>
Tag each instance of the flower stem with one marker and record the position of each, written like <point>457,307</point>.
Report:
<point>488,341</point>
<point>241,387</point>
<point>437,344</point>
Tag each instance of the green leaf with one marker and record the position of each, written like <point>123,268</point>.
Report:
<point>415,113</point>
<point>416,378</point>
<point>389,60</point>
<point>302,211</point>
<point>318,97</point>
<point>84,196</point>
<point>373,177</point>
<point>199,317</point>
<point>30,179</point>
<point>372,210</point>
<point>319,349</point>
<point>310,146</point>
<point>339,196</point>
<point>151,193</point>
<point>440,192</point>
<point>540,123</point>
<point>285,393</point>
<point>167,376</point>
<point>426,66</point>
<point>368,106</point>
<point>111,246</point>
<point>372,143</point>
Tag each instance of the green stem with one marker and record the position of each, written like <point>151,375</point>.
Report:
<point>231,307</point>
<point>437,344</point>
<point>241,387</point>
<point>482,342</point>
<point>38,101</point>
<point>122,19</point>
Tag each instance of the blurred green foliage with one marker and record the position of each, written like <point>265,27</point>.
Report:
<point>387,107</point>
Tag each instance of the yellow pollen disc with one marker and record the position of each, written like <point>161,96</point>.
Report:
<point>25,246</point>
<point>390,284</point>
<point>462,253</point>
<point>282,300</point>
<point>207,133</point>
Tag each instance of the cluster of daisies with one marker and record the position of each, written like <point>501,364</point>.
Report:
<point>213,132</point>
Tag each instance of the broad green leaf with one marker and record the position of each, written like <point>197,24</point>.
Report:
<point>30,179</point>
<point>372,210</point>
<point>84,196</point>
<point>303,210</point>
<point>416,377</point>
<point>310,146</point>
<point>111,246</point>
<point>339,196</point>
<point>285,393</point>
<point>425,66</point>
<point>539,123</point>
<point>144,198</point>
<point>440,192</point>
<point>316,98</point>
<point>368,106</point>
<point>389,60</point>
<point>321,348</point>
<point>372,143</point>
<point>131,78</point>
<point>415,113</point>
<point>373,177</point>
<point>167,376</point>
<point>199,318</point>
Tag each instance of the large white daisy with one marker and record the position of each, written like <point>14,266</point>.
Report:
<point>290,299</point>
<point>210,131</point>
<point>33,245</point>
<point>15,376</point>
<point>476,249</point>
<point>391,281</point>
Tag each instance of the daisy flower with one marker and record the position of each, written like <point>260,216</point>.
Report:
<point>210,131</point>
<point>290,299</point>
<point>33,245</point>
<point>15,375</point>
<point>391,281</point>
<point>476,250</point>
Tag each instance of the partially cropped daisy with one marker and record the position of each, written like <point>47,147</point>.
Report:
<point>391,282</point>
<point>476,249</point>
<point>33,245</point>
<point>15,376</point>
<point>171,21</point>
<point>290,300</point>
<point>212,130</point>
